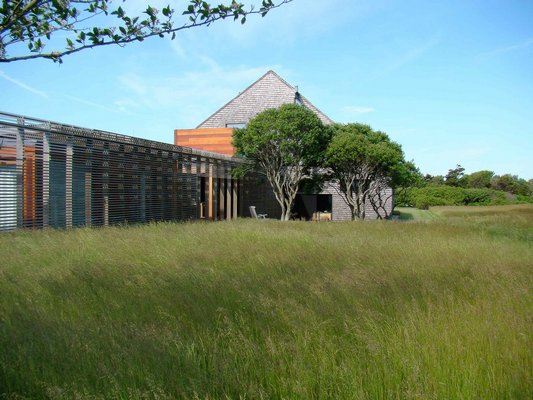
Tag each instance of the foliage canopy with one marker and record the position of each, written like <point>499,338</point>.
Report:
<point>284,144</point>
<point>38,24</point>
<point>364,162</point>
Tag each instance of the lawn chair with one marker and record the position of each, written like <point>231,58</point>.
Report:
<point>255,215</point>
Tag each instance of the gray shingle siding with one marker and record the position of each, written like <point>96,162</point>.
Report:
<point>269,91</point>
<point>341,211</point>
<point>387,195</point>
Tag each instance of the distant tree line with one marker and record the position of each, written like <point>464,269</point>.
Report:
<point>458,188</point>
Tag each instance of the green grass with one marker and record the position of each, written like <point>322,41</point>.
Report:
<point>262,309</point>
<point>414,214</point>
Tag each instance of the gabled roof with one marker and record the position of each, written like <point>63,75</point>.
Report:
<point>269,91</point>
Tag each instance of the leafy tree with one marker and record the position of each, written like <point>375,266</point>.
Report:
<point>512,184</point>
<point>284,144</point>
<point>406,177</point>
<point>362,161</point>
<point>38,23</point>
<point>479,179</point>
<point>434,180</point>
<point>455,176</point>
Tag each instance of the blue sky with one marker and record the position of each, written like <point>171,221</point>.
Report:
<point>451,81</point>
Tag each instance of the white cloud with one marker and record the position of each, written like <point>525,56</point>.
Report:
<point>134,83</point>
<point>508,49</point>
<point>357,110</point>
<point>472,152</point>
<point>178,48</point>
<point>23,85</point>
<point>407,57</point>
<point>281,26</point>
<point>91,104</point>
<point>191,96</point>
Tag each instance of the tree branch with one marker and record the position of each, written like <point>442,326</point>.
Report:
<point>38,20</point>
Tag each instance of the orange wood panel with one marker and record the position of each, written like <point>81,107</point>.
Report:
<point>8,156</point>
<point>29,184</point>
<point>217,140</point>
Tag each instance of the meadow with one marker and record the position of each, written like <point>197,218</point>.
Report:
<point>438,308</point>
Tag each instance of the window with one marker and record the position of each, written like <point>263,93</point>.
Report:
<point>298,99</point>
<point>237,125</point>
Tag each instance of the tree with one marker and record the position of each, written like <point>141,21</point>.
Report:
<point>479,179</point>
<point>361,161</point>
<point>512,184</point>
<point>403,178</point>
<point>454,177</point>
<point>39,23</point>
<point>284,144</point>
<point>434,180</point>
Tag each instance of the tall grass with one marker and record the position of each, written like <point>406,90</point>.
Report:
<point>263,309</point>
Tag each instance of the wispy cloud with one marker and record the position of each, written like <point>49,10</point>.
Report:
<point>191,96</point>
<point>406,57</point>
<point>281,27</point>
<point>178,48</point>
<point>91,104</point>
<point>472,152</point>
<point>23,85</point>
<point>508,49</point>
<point>357,110</point>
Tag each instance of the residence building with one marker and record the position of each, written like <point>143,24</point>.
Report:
<point>269,91</point>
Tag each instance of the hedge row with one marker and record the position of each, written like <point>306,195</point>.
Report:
<point>429,196</point>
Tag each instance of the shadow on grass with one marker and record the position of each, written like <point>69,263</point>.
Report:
<point>414,214</point>
<point>406,216</point>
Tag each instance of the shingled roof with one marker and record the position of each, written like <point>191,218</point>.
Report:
<point>269,91</point>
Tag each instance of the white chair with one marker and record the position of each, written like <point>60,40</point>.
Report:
<point>255,215</point>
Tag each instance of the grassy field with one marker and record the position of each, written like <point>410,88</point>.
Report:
<point>414,214</point>
<point>440,309</point>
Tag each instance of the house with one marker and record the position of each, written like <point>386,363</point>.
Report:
<point>214,134</point>
<point>63,176</point>
<point>269,91</point>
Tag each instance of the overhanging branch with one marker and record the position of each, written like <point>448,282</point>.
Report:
<point>37,21</point>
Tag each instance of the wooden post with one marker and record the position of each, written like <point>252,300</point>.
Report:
<point>88,198</point>
<point>68,185</point>
<point>46,180</point>
<point>220,198</point>
<point>20,172</point>
<point>228,199</point>
<point>210,194</point>
<point>235,183</point>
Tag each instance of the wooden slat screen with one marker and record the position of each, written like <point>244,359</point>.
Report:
<point>64,176</point>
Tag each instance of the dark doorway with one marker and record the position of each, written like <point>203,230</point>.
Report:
<point>307,205</point>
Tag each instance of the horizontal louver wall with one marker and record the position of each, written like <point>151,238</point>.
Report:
<point>62,176</point>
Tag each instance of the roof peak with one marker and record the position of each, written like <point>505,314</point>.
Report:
<point>262,94</point>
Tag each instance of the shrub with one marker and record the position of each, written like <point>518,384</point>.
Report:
<point>437,196</point>
<point>524,199</point>
<point>430,196</point>
<point>479,196</point>
<point>402,197</point>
